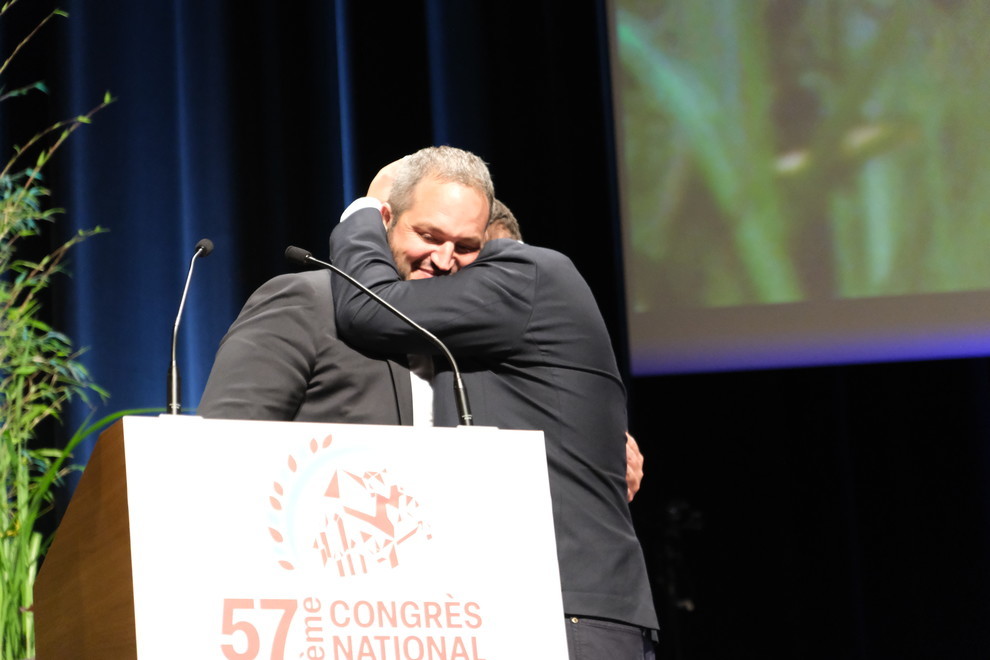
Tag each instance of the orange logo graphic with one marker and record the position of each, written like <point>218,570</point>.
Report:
<point>351,522</point>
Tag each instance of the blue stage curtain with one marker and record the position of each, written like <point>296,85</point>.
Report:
<point>154,169</point>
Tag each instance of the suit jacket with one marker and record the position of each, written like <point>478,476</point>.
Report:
<point>535,354</point>
<point>281,360</point>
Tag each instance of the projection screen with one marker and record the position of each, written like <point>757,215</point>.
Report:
<point>802,182</point>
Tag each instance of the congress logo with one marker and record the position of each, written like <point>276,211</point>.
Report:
<point>347,522</point>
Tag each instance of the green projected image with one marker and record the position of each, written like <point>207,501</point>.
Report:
<point>779,151</point>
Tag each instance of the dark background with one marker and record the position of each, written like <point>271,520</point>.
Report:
<point>835,512</point>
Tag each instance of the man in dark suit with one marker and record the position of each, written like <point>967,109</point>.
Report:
<point>281,360</point>
<point>536,355</point>
<point>503,224</point>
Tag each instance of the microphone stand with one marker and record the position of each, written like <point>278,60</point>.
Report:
<point>174,403</point>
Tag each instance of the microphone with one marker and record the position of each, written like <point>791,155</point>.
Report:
<point>301,256</point>
<point>174,405</point>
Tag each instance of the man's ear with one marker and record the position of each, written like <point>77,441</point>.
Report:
<point>386,213</point>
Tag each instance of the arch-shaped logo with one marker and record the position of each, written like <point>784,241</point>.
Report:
<point>348,522</point>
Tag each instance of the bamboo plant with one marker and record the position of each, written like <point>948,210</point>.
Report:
<point>39,369</point>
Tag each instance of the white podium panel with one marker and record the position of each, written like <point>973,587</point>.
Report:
<point>290,540</point>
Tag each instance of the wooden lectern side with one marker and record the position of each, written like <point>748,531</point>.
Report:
<point>84,597</point>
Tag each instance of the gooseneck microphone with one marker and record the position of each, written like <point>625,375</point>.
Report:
<point>174,405</point>
<point>301,256</point>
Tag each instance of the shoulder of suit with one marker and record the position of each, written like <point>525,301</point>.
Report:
<point>305,290</point>
<point>313,282</point>
<point>508,247</point>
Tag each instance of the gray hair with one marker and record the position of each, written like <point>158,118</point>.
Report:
<point>447,164</point>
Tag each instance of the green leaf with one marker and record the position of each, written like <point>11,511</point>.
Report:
<point>45,453</point>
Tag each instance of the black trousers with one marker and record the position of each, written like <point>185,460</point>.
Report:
<point>599,639</point>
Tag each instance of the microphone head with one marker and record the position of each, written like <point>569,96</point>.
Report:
<point>297,255</point>
<point>204,247</point>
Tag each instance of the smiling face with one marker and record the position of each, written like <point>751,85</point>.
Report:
<point>441,232</point>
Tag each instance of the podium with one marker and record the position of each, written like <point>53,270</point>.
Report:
<point>196,538</point>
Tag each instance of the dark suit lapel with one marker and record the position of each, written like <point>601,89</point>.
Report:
<point>403,390</point>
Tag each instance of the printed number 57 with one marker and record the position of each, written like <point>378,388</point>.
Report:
<point>231,627</point>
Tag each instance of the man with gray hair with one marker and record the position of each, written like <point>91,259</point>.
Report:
<point>439,204</point>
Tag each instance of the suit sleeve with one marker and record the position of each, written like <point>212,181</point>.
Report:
<point>482,310</point>
<point>264,362</point>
